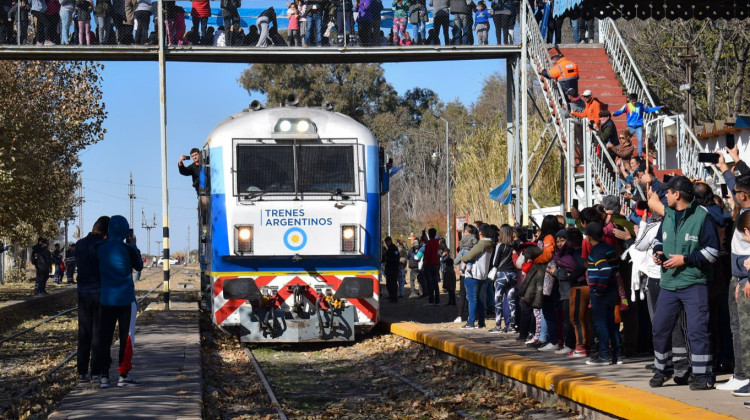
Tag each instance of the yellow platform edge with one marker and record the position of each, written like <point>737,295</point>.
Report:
<point>588,390</point>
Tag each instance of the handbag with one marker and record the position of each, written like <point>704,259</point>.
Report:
<point>492,275</point>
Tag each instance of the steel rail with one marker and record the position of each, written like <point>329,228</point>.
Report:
<point>24,331</point>
<point>266,384</point>
<point>70,356</point>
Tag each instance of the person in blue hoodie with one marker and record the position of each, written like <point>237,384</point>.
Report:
<point>118,257</point>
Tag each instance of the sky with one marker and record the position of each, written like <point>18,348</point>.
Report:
<point>199,96</point>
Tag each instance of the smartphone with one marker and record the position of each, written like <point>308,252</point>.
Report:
<point>663,258</point>
<point>666,178</point>
<point>708,157</point>
<point>618,227</point>
<point>724,190</point>
<point>575,202</point>
<point>729,137</point>
<point>568,215</point>
<point>642,205</point>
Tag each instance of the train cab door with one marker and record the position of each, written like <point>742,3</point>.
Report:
<point>204,221</point>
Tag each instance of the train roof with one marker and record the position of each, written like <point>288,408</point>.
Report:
<point>260,124</point>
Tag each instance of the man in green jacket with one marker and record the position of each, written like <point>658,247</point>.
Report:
<point>686,246</point>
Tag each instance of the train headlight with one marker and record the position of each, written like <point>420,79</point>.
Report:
<point>303,126</point>
<point>243,239</point>
<point>295,126</point>
<point>285,126</point>
<point>348,239</point>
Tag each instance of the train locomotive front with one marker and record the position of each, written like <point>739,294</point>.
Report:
<point>291,247</point>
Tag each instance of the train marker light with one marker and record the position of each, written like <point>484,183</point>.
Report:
<point>243,239</point>
<point>285,126</point>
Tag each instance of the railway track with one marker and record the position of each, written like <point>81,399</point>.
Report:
<point>35,368</point>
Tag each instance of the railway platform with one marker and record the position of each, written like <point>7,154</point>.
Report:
<point>615,391</point>
<point>166,362</point>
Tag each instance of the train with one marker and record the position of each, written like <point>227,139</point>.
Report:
<point>290,246</point>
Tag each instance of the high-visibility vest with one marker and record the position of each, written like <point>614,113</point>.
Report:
<point>564,69</point>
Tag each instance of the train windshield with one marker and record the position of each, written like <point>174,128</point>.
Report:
<point>284,169</point>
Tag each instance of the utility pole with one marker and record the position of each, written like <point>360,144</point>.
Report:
<point>80,209</point>
<point>187,258</point>
<point>688,88</point>
<point>148,228</point>
<point>131,196</point>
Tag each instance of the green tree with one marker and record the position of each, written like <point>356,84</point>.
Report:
<point>51,112</point>
<point>357,90</point>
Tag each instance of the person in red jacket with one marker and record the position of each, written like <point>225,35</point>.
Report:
<point>431,267</point>
<point>200,12</point>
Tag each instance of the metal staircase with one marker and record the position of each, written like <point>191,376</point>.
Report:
<point>595,175</point>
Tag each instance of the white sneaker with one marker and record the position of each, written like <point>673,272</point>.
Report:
<point>413,295</point>
<point>457,320</point>
<point>104,382</point>
<point>732,384</point>
<point>127,380</point>
<point>564,350</point>
<point>550,347</point>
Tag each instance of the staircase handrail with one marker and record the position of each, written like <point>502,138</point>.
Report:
<point>539,57</point>
<point>624,66</point>
<point>688,148</point>
<point>623,62</point>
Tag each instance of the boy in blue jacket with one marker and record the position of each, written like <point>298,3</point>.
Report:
<point>635,111</point>
<point>603,264</point>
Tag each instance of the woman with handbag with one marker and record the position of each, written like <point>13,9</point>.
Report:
<point>504,275</point>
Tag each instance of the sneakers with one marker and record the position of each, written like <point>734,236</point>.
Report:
<point>457,320</point>
<point>550,347</point>
<point>413,295</point>
<point>732,384</point>
<point>619,361</point>
<point>84,378</point>
<point>564,350</point>
<point>104,382</point>
<point>127,380</point>
<point>742,392</point>
<point>578,352</point>
<point>597,361</point>
<point>536,344</point>
<point>496,330</point>
<point>683,380</point>
<point>658,380</point>
<point>701,385</point>
<point>468,327</point>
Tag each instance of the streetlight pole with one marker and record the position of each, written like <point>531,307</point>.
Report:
<point>447,185</point>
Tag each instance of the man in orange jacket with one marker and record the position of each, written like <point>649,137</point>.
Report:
<point>564,71</point>
<point>593,107</point>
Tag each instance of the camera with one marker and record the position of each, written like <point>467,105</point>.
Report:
<point>130,237</point>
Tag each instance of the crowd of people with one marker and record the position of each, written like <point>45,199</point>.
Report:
<point>671,279</point>
<point>310,23</point>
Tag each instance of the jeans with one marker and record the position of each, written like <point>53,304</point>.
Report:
<point>603,317</point>
<point>638,131</point>
<point>419,32</point>
<point>103,24</point>
<point>550,305</point>
<point>66,16</point>
<point>42,274</point>
<point>574,25</point>
<point>314,23</point>
<point>461,29</point>
<point>231,25</point>
<point>474,295</point>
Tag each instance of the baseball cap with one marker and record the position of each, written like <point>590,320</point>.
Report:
<point>586,93</point>
<point>594,230</point>
<point>681,184</point>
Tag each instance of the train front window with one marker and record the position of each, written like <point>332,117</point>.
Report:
<point>325,169</point>
<point>265,169</point>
